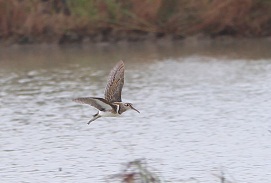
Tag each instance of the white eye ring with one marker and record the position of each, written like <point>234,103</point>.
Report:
<point>126,104</point>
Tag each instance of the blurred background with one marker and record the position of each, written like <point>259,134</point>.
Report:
<point>65,21</point>
<point>199,71</point>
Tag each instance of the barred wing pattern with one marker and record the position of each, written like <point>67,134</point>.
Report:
<point>99,103</point>
<point>115,83</point>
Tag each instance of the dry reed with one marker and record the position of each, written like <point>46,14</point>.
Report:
<point>60,21</point>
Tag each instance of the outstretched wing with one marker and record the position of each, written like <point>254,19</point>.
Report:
<point>115,83</point>
<point>99,103</point>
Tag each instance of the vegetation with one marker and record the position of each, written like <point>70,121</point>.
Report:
<point>138,171</point>
<point>135,171</point>
<point>61,21</point>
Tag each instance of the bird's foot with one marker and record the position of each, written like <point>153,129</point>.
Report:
<point>94,118</point>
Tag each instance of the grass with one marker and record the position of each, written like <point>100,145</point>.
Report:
<point>61,21</point>
<point>135,171</point>
<point>138,171</point>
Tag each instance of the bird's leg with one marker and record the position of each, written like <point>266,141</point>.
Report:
<point>95,116</point>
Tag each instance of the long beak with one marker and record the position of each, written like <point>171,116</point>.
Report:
<point>134,109</point>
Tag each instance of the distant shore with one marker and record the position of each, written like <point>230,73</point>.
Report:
<point>97,21</point>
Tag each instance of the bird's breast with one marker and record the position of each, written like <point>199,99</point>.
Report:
<point>108,114</point>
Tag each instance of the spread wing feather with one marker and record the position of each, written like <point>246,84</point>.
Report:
<point>115,83</point>
<point>99,103</point>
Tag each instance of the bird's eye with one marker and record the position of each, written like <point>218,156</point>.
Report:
<point>126,104</point>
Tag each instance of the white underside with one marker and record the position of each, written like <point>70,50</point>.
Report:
<point>107,114</point>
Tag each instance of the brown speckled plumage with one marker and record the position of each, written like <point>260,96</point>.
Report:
<point>112,104</point>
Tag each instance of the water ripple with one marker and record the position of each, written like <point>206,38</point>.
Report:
<point>198,115</point>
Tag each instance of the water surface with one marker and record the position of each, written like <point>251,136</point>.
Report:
<point>205,108</point>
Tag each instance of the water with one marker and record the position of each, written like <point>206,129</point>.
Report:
<point>205,109</point>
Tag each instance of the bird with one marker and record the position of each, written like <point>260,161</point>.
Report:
<point>111,105</point>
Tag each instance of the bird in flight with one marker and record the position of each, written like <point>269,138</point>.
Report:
<point>111,105</point>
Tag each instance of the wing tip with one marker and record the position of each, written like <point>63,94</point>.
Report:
<point>77,100</point>
<point>120,63</point>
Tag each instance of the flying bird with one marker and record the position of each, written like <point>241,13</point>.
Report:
<point>111,105</point>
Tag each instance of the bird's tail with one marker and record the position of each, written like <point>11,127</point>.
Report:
<point>95,116</point>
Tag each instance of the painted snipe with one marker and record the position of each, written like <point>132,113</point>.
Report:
<point>111,105</point>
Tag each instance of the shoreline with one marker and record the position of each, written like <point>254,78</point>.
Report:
<point>68,22</point>
<point>145,39</point>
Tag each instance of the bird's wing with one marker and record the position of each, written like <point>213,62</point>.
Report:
<point>115,83</point>
<point>99,103</point>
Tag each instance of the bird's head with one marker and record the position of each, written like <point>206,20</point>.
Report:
<point>128,106</point>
